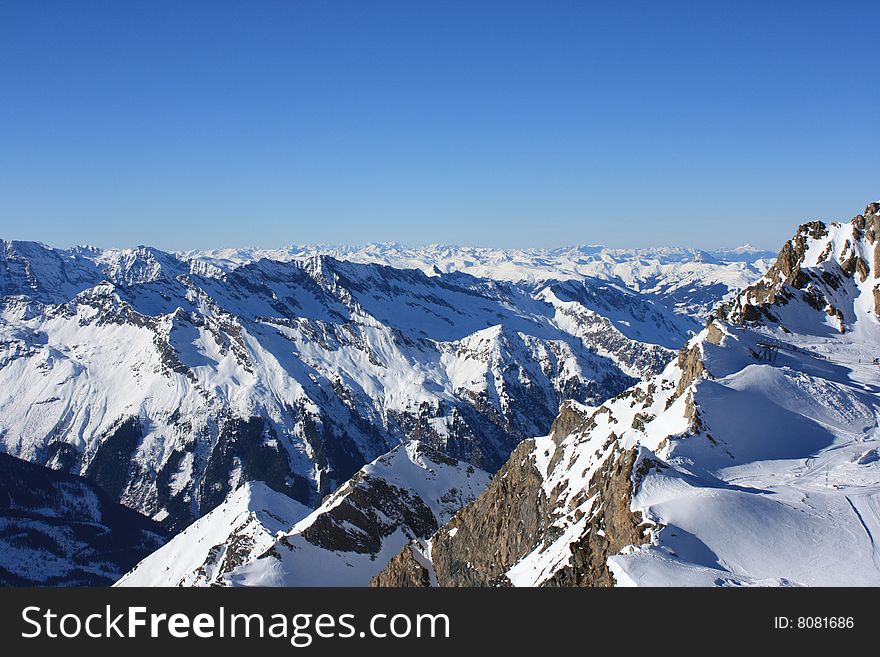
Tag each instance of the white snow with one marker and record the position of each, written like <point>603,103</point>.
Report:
<point>182,345</point>
<point>250,517</point>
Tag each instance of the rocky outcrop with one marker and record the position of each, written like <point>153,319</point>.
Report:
<point>403,571</point>
<point>690,361</point>
<point>837,270</point>
<point>852,263</point>
<point>572,417</point>
<point>370,510</point>
<point>563,504</point>
<point>869,222</point>
<point>877,254</point>
<point>513,517</point>
<point>612,527</point>
<point>751,305</point>
<point>837,314</point>
<point>484,539</point>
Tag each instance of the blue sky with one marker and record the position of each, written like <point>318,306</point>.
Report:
<point>509,123</point>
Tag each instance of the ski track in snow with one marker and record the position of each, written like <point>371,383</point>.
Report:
<point>870,502</point>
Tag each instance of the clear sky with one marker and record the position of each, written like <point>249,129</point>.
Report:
<point>508,123</point>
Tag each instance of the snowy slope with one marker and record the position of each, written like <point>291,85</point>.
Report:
<point>688,280</point>
<point>750,460</point>
<point>60,530</point>
<point>245,524</point>
<point>405,495</point>
<point>170,382</point>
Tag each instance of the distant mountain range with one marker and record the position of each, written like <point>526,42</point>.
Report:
<point>689,281</point>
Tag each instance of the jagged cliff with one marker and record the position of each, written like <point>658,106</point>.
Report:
<point>822,265</point>
<point>554,495</point>
<point>259,537</point>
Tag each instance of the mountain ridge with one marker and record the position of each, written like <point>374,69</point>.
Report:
<point>259,537</point>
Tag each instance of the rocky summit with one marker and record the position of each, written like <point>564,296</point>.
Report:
<point>259,537</point>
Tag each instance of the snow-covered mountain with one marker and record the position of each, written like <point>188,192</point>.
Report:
<point>170,381</point>
<point>57,529</point>
<point>690,281</point>
<point>204,553</point>
<point>402,496</point>
<point>752,459</point>
<point>259,537</point>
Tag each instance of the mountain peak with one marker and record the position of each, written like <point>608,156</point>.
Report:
<point>834,268</point>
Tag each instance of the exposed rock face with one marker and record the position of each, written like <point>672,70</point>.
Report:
<point>824,265</point>
<point>572,417</point>
<point>512,518</point>
<point>370,510</point>
<point>714,335</point>
<point>405,495</point>
<point>260,537</point>
<point>403,571</point>
<point>486,538</point>
<point>692,367</point>
<point>877,255</point>
<point>862,269</point>
<point>690,360</point>
<point>566,507</point>
<point>612,527</point>
<point>785,272</point>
